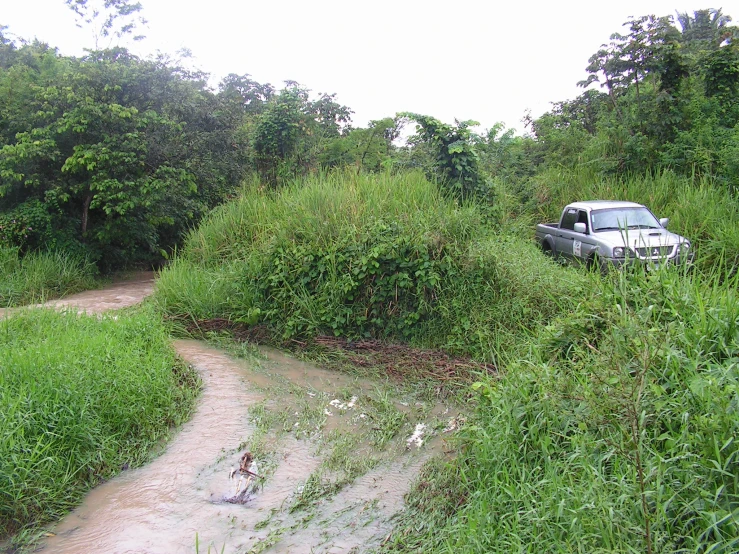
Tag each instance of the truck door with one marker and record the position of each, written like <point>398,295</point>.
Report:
<point>564,242</point>
<point>584,243</point>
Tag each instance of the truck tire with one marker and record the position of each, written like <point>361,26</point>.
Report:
<point>546,249</point>
<point>594,264</point>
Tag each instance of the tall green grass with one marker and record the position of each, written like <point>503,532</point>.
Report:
<point>388,256</point>
<point>41,275</point>
<point>325,208</point>
<point>618,433</point>
<point>708,215</point>
<point>80,397</point>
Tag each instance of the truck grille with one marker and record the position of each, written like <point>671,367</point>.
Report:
<point>655,251</point>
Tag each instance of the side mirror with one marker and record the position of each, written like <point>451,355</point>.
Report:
<point>580,228</point>
<point>664,221</point>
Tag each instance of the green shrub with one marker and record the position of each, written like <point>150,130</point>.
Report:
<point>79,398</point>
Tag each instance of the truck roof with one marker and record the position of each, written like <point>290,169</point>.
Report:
<point>603,204</point>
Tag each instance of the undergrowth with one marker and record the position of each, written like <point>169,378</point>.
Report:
<point>617,434</point>
<point>81,398</point>
<point>38,276</point>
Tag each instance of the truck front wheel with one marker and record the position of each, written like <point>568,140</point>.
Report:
<point>594,263</point>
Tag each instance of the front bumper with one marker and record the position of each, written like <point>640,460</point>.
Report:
<point>652,263</point>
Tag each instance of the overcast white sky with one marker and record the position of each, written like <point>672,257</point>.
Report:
<point>483,60</point>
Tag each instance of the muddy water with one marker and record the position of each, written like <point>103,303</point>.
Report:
<point>161,507</point>
<point>120,294</point>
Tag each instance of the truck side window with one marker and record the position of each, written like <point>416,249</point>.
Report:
<point>569,219</point>
<point>582,217</point>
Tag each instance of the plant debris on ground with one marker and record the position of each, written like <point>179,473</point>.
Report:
<point>396,360</point>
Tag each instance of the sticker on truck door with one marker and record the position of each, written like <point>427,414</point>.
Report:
<point>576,248</point>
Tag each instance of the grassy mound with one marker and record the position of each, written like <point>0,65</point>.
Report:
<point>42,275</point>
<point>79,398</point>
<point>385,256</point>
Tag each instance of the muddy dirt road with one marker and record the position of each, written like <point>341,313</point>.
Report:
<point>336,455</point>
<point>120,294</point>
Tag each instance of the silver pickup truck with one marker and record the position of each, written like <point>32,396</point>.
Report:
<point>603,233</point>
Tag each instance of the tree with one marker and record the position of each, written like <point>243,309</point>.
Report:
<point>330,116</point>
<point>289,136</point>
<point>672,101</point>
<point>111,154</point>
<point>705,28</point>
<point>722,82</point>
<point>90,156</point>
<point>629,59</point>
<point>455,159</point>
<point>278,130</point>
<point>249,94</point>
<point>366,148</point>
<point>108,19</point>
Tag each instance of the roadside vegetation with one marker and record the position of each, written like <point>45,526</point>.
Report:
<point>611,423</point>
<point>616,434</point>
<point>81,399</point>
<point>42,275</point>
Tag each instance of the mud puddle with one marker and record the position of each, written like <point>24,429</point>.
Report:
<point>334,462</point>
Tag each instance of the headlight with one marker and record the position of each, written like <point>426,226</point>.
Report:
<point>684,247</point>
<point>618,252</point>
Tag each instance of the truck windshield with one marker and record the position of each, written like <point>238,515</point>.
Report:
<point>623,218</point>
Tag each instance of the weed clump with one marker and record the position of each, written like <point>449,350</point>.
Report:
<point>41,275</point>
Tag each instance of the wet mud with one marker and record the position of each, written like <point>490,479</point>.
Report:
<point>181,499</point>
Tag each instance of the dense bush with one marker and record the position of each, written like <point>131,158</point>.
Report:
<point>79,398</point>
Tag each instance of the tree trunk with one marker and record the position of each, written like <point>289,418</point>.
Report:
<point>85,214</point>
